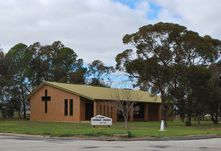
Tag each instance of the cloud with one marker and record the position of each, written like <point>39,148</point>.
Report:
<point>93,28</point>
<point>202,16</point>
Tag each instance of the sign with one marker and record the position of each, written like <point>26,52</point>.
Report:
<point>101,120</point>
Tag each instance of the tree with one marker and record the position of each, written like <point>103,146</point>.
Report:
<point>25,67</point>
<point>63,62</point>
<point>3,71</point>
<point>79,73</point>
<point>125,105</point>
<point>17,58</point>
<point>98,73</point>
<point>196,94</point>
<point>53,62</point>
<point>162,51</point>
<point>41,64</point>
<point>214,92</point>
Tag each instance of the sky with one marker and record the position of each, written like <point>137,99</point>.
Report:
<point>95,28</point>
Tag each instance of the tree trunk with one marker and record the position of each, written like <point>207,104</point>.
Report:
<point>198,120</point>
<point>188,120</point>
<point>19,113</point>
<point>182,118</point>
<point>126,123</point>
<point>163,110</point>
<point>214,118</point>
<point>23,103</point>
<point>163,107</point>
<point>182,113</point>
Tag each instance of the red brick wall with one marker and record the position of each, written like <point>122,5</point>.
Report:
<point>55,106</point>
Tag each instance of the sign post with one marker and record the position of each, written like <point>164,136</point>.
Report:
<point>101,120</point>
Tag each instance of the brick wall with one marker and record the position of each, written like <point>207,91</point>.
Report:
<point>55,111</point>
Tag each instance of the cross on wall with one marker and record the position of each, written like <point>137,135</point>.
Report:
<point>45,99</point>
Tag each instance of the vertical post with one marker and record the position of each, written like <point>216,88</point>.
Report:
<point>98,108</point>
<point>146,112</point>
<point>95,108</point>
<point>114,112</point>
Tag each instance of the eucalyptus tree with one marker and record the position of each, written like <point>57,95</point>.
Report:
<point>213,101</point>
<point>64,61</point>
<point>98,73</point>
<point>3,70</point>
<point>53,62</point>
<point>17,59</point>
<point>159,55</point>
<point>78,76</point>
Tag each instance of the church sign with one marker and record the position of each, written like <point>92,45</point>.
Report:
<point>101,120</point>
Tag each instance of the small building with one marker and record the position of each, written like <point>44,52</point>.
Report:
<point>53,101</point>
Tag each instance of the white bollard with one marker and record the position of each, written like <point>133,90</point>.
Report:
<point>162,125</point>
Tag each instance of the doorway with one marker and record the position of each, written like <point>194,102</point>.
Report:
<point>139,112</point>
<point>89,110</point>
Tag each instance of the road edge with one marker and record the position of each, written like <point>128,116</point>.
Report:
<point>104,138</point>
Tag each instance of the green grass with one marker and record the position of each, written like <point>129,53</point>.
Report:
<point>137,129</point>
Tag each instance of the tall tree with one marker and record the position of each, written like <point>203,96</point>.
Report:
<point>79,73</point>
<point>64,63</point>
<point>159,53</point>
<point>17,59</point>
<point>3,70</point>
<point>98,73</point>
<point>53,62</point>
<point>213,101</point>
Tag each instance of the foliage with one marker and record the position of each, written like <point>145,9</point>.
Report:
<point>99,73</point>
<point>162,58</point>
<point>213,97</point>
<point>7,110</point>
<point>24,67</point>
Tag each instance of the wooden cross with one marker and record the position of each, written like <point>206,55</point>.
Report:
<point>45,99</point>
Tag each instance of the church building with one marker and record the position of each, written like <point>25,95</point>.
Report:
<point>53,101</point>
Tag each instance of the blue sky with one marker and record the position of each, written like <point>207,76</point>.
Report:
<point>95,28</point>
<point>130,3</point>
<point>154,7</point>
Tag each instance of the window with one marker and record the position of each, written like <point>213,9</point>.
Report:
<point>66,107</point>
<point>71,107</point>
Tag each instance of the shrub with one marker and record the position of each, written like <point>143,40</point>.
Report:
<point>7,111</point>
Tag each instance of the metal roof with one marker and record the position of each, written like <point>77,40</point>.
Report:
<point>101,93</point>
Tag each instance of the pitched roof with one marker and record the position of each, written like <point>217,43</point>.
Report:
<point>101,93</point>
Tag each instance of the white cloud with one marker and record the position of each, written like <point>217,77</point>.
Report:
<point>93,28</point>
<point>203,16</point>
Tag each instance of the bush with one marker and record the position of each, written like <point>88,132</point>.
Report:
<point>7,111</point>
<point>130,134</point>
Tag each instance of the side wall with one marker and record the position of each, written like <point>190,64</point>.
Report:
<point>55,106</point>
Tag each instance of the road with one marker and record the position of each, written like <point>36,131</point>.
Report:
<point>12,143</point>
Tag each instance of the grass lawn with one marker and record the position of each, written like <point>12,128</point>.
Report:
<point>137,129</point>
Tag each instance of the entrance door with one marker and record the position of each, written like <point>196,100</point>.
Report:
<point>89,111</point>
<point>139,112</point>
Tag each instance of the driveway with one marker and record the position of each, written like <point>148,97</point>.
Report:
<point>13,143</point>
